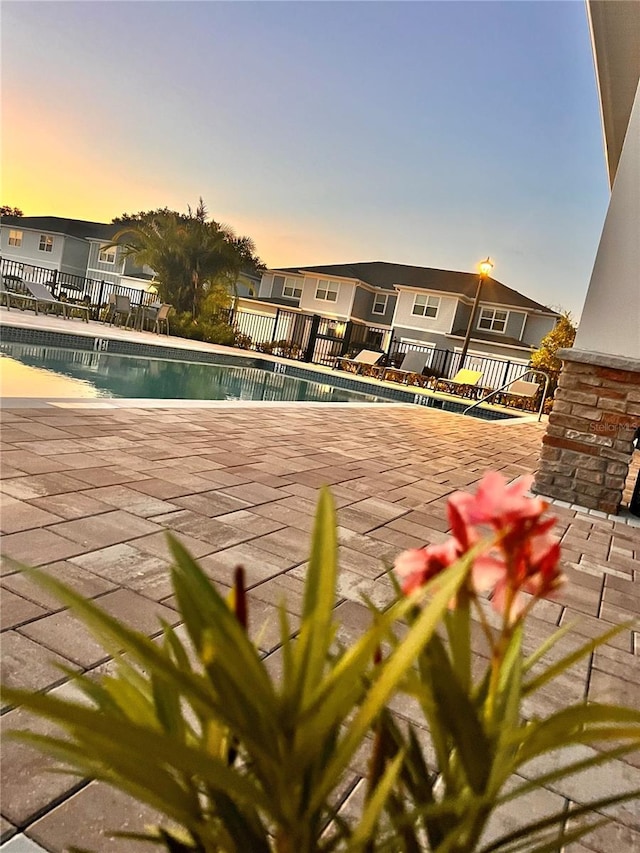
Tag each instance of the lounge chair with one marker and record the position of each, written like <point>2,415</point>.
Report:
<point>520,391</point>
<point>365,360</point>
<point>43,296</point>
<point>464,383</point>
<point>9,297</point>
<point>39,296</point>
<point>410,370</point>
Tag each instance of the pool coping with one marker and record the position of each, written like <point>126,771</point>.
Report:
<point>88,341</point>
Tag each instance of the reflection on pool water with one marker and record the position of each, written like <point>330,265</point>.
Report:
<point>38,371</point>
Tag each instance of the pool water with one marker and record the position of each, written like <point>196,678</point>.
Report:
<point>38,371</point>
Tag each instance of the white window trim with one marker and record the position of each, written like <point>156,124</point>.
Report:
<point>46,238</point>
<point>524,323</point>
<point>426,296</point>
<point>385,297</point>
<point>297,286</point>
<point>495,331</point>
<point>328,289</point>
<point>16,235</point>
<point>106,260</point>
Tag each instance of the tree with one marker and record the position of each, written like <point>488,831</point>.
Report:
<point>562,335</point>
<point>189,253</point>
<point>7,210</point>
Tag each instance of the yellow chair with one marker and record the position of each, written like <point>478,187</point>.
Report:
<point>464,383</point>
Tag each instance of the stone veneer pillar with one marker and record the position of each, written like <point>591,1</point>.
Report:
<point>588,444</point>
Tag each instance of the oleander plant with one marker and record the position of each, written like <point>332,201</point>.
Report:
<point>238,759</point>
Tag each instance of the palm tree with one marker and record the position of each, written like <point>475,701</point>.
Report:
<point>188,253</point>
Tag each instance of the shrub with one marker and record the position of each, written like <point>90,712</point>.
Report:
<point>202,329</point>
<point>242,761</point>
<point>243,341</point>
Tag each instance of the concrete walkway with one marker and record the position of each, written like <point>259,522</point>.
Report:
<point>89,492</point>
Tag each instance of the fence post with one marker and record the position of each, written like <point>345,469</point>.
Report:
<point>505,376</point>
<point>445,366</point>
<point>313,334</point>
<point>99,302</point>
<point>275,325</point>
<point>346,340</point>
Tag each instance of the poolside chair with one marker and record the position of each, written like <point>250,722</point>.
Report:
<point>119,306</point>
<point>520,392</point>
<point>364,361</point>
<point>7,297</point>
<point>163,317</point>
<point>43,296</point>
<point>465,383</point>
<point>410,370</point>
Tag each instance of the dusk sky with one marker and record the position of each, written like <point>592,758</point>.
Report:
<point>429,133</point>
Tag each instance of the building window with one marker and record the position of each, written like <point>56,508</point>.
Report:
<point>380,304</point>
<point>15,238</point>
<point>292,288</point>
<point>46,243</point>
<point>327,290</point>
<point>107,255</point>
<point>492,320</point>
<point>426,306</point>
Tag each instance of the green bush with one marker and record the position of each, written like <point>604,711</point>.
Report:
<point>203,329</point>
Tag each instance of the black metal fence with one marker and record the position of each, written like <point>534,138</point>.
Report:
<point>17,275</point>
<point>444,363</point>
<point>304,337</point>
<point>286,333</point>
<point>319,340</point>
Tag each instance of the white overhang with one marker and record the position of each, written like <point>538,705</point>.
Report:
<point>615,38</point>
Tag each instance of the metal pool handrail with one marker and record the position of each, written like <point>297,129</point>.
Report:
<point>527,372</point>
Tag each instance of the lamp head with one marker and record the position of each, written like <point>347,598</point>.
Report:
<point>485,267</point>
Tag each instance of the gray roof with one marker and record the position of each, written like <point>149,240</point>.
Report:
<point>387,275</point>
<point>59,225</point>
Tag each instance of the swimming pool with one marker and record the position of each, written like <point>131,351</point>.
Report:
<point>54,372</point>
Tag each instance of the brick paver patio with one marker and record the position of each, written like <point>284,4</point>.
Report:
<point>89,492</point>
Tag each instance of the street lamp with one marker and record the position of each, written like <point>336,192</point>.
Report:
<point>485,268</point>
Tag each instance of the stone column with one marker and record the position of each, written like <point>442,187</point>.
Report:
<point>588,444</point>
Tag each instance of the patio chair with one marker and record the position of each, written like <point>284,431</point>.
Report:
<point>366,359</point>
<point>8,296</point>
<point>520,391</point>
<point>464,383</point>
<point>410,370</point>
<point>163,317</point>
<point>42,296</point>
<point>119,306</point>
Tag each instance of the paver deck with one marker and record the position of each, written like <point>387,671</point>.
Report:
<point>88,493</point>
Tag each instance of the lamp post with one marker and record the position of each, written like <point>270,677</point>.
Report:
<point>485,268</point>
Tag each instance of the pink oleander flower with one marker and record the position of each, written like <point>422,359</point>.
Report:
<point>523,556</point>
<point>418,565</point>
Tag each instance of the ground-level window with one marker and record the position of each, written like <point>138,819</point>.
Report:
<point>292,288</point>
<point>327,290</point>
<point>15,238</point>
<point>492,320</point>
<point>107,255</point>
<point>426,306</point>
<point>380,303</point>
<point>46,243</point>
